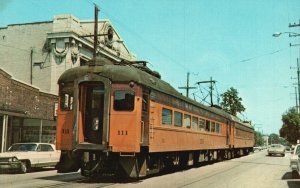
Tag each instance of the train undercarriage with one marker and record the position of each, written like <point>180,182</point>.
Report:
<point>136,165</point>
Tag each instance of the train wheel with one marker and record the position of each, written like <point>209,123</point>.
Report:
<point>89,169</point>
<point>183,160</point>
<point>228,155</point>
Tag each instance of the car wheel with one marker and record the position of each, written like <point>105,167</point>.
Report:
<point>24,167</point>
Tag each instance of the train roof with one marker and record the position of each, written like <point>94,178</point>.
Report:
<point>130,72</point>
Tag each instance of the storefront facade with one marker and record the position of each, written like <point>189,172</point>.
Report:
<point>26,114</point>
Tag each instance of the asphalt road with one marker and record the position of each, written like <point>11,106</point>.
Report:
<point>253,171</point>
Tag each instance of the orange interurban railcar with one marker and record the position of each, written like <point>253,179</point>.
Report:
<point>121,118</point>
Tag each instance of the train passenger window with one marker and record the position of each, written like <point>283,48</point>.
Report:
<point>123,100</point>
<point>166,116</point>
<point>218,128</point>
<point>187,121</point>
<point>178,119</point>
<point>195,122</point>
<point>202,124</point>
<point>213,127</point>
<point>207,125</point>
<point>66,97</point>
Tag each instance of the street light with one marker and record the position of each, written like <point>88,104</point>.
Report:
<point>291,34</point>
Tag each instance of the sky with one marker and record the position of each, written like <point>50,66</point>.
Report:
<point>230,41</point>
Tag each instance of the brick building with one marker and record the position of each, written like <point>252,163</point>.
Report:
<point>32,57</point>
<point>26,114</point>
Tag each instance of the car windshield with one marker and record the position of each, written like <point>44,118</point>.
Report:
<point>23,147</point>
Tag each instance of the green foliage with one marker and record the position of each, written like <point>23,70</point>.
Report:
<point>291,125</point>
<point>231,102</point>
<point>259,141</point>
<point>275,139</point>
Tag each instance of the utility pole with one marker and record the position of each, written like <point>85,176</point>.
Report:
<point>187,88</point>
<point>211,82</point>
<point>296,95</point>
<point>96,31</point>
<point>298,76</point>
<point>298,67</point>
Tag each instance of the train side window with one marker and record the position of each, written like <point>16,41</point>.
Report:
<point>194,122</point>
<point>201,124</point>
<point>187,121</point>
<point>218,128</point>
<point>66,97</point>
<point>213,127</point>
<point>124,100</point>
<point>178,119</point>
<point>167,117</point>
<point>207,125</point>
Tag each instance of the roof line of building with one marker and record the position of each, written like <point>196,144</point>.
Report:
<point>41,22</point>
<point>8,75</point>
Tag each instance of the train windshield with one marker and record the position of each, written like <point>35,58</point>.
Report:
<point>66,97</point>
<point>124,100</point>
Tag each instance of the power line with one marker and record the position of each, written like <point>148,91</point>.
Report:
<point>145,41</point>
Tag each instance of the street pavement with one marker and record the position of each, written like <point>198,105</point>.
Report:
<point>256,170</point>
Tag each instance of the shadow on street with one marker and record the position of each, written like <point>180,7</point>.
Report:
<point>292,182</point>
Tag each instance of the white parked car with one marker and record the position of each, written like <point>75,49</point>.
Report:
<point>276,149</point>
<point>295,161</point>
<point>22,157</point>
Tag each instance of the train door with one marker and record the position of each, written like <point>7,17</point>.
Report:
<point>232,134</point>
<point>228,132</point>
<point>145,118</point>
<point>125,118</point>
<point>93,111</point>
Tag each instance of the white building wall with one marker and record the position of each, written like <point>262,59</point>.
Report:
<point>53,44</point>
<point>17,41</point>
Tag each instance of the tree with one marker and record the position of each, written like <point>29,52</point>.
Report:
<point>231,102</point>
<point>290,129</point>
<point>274,139</point>
<point>259,141</point>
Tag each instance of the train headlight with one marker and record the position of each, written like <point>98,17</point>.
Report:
<point>95,125</point>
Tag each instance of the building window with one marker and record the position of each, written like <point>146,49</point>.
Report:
<point>187,121</point>
<point>124,100</point>
<point>195,122</point>
<point>178,119</point>
<point>166,116</point>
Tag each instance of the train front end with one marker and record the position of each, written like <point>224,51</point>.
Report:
<point>99,121</point>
